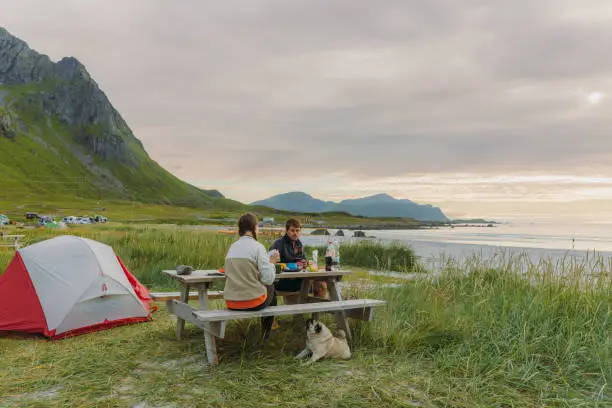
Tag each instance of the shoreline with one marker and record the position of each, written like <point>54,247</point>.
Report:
<point>390,227</point>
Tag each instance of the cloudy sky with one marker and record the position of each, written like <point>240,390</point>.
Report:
<point>482,107</point>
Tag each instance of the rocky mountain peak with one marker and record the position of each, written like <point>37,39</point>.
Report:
<point>19,64</point>
<point>70,95</point>
<point>69,68</point>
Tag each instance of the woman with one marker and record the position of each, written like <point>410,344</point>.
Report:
<point>250,273</point>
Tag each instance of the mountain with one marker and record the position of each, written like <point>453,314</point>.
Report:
<point>296,201</point>
<point>380,205</point>
<point>61,137</point>
<point>383,205</point>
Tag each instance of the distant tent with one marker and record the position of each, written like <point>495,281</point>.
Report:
<point>68,286</point>
<point>339,233</point>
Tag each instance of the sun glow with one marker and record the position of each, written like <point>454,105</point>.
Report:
<point>595,98</point>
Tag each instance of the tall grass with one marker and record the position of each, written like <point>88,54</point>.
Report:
<point>503,332</point>
<point>376,255</point>
<point>495,334</point>
<point>147,250</point>
<point>5,257</point>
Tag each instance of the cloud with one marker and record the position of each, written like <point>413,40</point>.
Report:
<point>262,90</point>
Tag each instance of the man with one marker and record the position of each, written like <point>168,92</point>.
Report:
<point>291,250</point>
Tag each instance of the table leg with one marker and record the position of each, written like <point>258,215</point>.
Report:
<point>180,323</point>
<point>301,297</point>
<point>315,316</point>
<point>304,289</point>
<point>334,294</point>
<point>209,339</point>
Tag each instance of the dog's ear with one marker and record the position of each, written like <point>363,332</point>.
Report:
<point>318,328</point>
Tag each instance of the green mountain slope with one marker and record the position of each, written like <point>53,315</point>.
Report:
<point>61,137</point>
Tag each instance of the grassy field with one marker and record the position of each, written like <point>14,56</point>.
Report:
<point>474,336</point>
<point>215,212</point>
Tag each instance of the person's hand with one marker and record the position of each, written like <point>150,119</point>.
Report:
<point>274,256</point>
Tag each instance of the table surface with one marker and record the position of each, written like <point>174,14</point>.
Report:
<point>203,276</point>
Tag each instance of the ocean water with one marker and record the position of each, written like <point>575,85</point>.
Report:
<point>536,240</point>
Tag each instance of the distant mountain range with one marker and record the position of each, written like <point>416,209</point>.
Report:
<point>380,205</point>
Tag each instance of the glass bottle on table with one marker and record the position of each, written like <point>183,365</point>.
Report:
<point>329,256</point>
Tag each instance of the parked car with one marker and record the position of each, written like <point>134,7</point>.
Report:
<point>100,218</point>
<point>32,216</point>
<point>70,220</point>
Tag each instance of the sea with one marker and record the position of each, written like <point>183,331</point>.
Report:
<point>538,241</point>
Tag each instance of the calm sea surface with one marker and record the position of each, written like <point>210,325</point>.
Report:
<point>537,240</point>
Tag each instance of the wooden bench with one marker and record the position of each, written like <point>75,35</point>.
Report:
<point>16,244</point>
<point>164,296</point>
<point>214,322</point>
<point>212,295</point>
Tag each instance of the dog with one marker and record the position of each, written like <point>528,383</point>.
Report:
<point>321,343</point>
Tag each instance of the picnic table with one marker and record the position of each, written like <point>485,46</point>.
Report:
<point>15,241</point>
<point>213,322</point>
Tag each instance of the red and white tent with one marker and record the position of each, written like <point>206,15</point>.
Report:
<point>67,286</point>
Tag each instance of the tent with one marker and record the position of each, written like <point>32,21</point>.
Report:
<point>67,286</point>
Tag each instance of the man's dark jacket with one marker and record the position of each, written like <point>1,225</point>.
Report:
<point>290,251</point>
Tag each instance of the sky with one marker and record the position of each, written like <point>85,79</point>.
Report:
<point>485,108</point>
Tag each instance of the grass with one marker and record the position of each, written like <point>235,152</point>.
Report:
<point>503,333</point>
<point>382,257</point>
<point>148,249</point>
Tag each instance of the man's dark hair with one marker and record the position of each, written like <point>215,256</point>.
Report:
<point>247,223</point>
<point>292,222</point>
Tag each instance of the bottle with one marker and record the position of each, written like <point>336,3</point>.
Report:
<point>336,255</point>
<point>329,256</point>
<point>304,264</point>
<point>315,259</point>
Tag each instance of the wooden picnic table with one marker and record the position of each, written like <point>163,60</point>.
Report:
<point>203,280</point>
<point>15,238</point>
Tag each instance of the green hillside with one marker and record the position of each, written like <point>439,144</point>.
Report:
<point>43,157</point>
<point>61,137</point>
